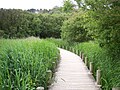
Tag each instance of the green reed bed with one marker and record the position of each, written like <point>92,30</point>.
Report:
<point>23,63</point>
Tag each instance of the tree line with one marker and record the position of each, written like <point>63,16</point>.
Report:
<point>16,23</point>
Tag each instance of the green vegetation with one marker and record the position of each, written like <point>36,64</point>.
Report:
<point>20,24</point>
<point>73,29</point>
<point>23,63</point>
<point>68,6</point>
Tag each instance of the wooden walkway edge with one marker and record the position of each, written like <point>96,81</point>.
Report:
<point>72,74</point>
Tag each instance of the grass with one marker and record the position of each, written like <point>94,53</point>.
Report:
<point>109,65</point>
<point>24,62</point>
<point>61,43</point>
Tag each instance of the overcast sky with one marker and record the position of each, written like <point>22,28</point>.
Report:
<point>27,4</point>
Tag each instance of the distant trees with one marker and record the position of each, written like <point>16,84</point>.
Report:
<point>18,24</point>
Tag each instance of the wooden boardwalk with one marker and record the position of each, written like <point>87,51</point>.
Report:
<point>72,74</point>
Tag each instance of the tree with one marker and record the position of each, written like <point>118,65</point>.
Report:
<point>16,23</point>
<point>68,6</point>
<point>104,24</point>
<point>73,30</point>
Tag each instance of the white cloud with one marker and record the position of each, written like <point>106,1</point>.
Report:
<point>27,4</point>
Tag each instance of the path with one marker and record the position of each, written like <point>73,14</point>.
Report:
<point>72,74</point>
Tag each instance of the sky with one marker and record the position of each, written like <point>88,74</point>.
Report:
<point>28,4</point>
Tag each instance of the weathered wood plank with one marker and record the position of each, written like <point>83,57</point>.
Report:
<point>72,74</point>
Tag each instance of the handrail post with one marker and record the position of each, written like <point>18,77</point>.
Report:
<point>82,56</point>
<point>91,67</point>
<point>86,61</point>
<point>76,51</point>
<point>54,66</point>
<point>49,76</point>
<point>98,76</point>
<point>73,50</point>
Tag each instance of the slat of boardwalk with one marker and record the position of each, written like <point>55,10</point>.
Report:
<point>72,74</point>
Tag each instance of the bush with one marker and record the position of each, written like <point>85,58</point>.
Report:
<point>73,30</point>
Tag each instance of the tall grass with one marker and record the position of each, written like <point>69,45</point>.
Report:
<point>23,63</point>
<point>60,42</point>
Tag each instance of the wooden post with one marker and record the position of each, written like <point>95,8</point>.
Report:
<point>98,76</point>
<point>70,49</point>
<point>78,52</point>
<point>65,47</point>
<point>73,50</point>
<point>116,88</point>
<point>49,76</point>
<point>60,46</point>
<point>86,61</point>
<point>40,88</point>
<point>54,66</point>
<point>82,56</point>
<point>91,67</point>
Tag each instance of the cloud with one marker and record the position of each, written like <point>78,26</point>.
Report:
<point>27,4</point>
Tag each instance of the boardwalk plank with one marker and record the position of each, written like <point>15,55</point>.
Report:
<point>72,74</point>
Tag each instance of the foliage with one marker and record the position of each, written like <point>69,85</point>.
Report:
<point>51,25</point>
<point>18,24</point>
<point>59,42</point>
<point>103,24</point>
<point>23,63</point>
<point>1,33</point>
<point>68,6</point>
<point>73,30</point>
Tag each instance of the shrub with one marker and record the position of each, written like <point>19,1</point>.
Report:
<point>73,30</point>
